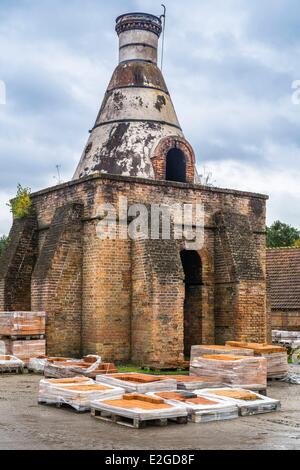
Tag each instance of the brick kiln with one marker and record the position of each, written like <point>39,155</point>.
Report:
<point>144,301</point>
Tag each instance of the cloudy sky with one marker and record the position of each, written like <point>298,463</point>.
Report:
<point>229,66</point>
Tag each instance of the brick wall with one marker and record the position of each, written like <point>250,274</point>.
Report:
<point>241,301</point>
<point>16,265</point>
<point>106,299</point>
<point>57,281</point>
<point>157,303</point>
<point>125,299</point>
<point>192,317</point>
<point>287,320</point>
<point>160,157</point>
<point>251,319</point>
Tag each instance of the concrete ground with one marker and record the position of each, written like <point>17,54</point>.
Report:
<point>26,425</point>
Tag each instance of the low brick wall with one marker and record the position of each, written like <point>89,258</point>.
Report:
<point>287,320</point>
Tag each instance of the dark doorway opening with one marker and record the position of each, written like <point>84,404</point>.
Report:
<point>176,166</point>
<point>192,267</point>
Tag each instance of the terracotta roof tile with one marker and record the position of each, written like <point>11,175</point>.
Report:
<point>283,274</point>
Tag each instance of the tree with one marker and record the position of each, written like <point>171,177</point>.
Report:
<point>297,243</point>
<point>281,235</point>
<point>3,243</point>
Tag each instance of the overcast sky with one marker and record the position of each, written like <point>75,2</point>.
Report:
<point>229,66</point>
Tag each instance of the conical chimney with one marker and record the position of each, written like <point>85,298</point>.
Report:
<point>137,132</point>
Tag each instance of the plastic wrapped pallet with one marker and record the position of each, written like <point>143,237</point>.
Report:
<point>59,369</point>
<point>200,408</point>
<point>279,336</point>
<point>45,383</point>
<point>201,350</point>
<point>276,356</point>
<point>24,350</point>
<point>77,392</point>
<point>90,366</point>
<point>11,364</point>
<point>187,382</point>
<point>277,365</point>
<point>141,383</point>
<point>22,323</point>
<point>248,402</point>
<point>37,364</point>
<point>139,409</point>
<point>243,371</point>
<point>3,347</point>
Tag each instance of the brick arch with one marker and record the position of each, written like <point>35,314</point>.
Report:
<point>160,156</point>
<point>206,261</point>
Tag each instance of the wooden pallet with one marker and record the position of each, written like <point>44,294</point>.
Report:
<point>248,410</point>
<point>35,372</point>
<point>276,379</point>
<point>11,370</point>
<point>260,390</point>
<point>135,423</point>
<point>23,337</point>
<point>63,405</point>
<point>211,417</point>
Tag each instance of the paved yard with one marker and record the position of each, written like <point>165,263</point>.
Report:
<point>26,425</point>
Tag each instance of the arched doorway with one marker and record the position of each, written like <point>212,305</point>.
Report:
<point>192,267</point>
<point>176,166</point>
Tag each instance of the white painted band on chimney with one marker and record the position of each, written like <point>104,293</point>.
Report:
<point>138,45</point>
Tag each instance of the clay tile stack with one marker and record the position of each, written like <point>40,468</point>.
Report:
<point>202,349</point>
<point>186,382</point>
<point>243,371</point>
<point>139,408</point>
<point>201,408</point>
<point>89,366</point>
<point>22,323</point>
<point>248,402</point>
<point>22,334</point>
<point>276,356</point>
<point>77,392</point>
<point>141,383</point>
<point>10,364</point>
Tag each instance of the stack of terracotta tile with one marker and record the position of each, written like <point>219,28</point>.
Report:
<point>187,382</point>
<point>77,392</point>
<point>89,366</point>
<point>243,371</point>
<point>248,402</point>
<point>25,349</point>
<point>141,383</point>
<point>22,334</point>
<point>201,350</point>
<point>279,336</point>
<point>37,364</point>
<point>10,364</point>
<point>138,409</point>
<point>276,356</point>
<point>22,323</point>
<point>199,407</point>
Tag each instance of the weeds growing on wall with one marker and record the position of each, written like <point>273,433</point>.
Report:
<point>21,205</point>
<point>3,243</point>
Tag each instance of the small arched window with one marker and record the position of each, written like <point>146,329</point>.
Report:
<point>176,166</point>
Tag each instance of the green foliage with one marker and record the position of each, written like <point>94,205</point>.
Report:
<point>297,243</point>
<point>3,243</point>
<point>281,235</point>
<point>145,370</point>
<point>21,205</point>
